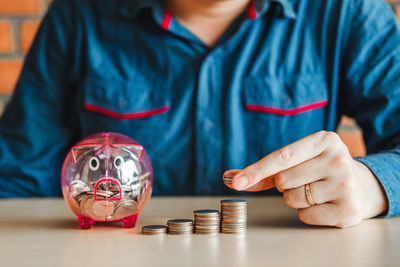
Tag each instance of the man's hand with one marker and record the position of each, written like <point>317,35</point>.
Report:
<point>345,191</point>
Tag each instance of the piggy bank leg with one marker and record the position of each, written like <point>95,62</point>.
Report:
<point>85,222</point>
<point>130,222</point>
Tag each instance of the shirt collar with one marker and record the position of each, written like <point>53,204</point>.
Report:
<point>132,8</point>
<point>288,8</point>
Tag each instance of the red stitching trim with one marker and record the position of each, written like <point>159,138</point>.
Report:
<point>252,10</point>
<point>288,112</point>
<point>126,116</point>
<point>166,22</point>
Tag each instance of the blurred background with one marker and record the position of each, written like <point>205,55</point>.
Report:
<point>19,20</point>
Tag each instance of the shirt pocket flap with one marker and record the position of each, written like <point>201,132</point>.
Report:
<point>285,96</point>
<point>124,100</point>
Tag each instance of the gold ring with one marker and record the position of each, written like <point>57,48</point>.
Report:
<point>309,198</point>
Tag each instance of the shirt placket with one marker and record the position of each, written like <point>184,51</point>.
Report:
<point>209,141</point>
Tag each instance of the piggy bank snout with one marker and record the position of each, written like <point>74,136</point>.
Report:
<point>107,188</point>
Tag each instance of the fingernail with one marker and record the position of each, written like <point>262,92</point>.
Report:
<point>241,182</point>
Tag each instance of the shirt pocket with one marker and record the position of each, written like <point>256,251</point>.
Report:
<point>279,111</point>
<point>285,97</point>
<point>124,100</point>
<point>138,108</point>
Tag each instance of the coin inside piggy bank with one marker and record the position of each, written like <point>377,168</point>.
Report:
<point>107,177</point>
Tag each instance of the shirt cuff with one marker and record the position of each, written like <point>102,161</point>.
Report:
<point>383,165</point>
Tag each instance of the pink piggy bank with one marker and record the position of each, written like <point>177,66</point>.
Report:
<point>107,177</point>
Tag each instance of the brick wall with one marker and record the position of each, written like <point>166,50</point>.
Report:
<point>19,20</point>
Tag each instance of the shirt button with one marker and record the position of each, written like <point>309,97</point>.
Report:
<point>287,100</point>
<point>208,125</point>
<point>210,60</point>
<point>123,103</point>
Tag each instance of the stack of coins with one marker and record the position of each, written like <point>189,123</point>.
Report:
<point>206,221</point>
<point>227,179</point>
<point>233,216</point>
<point>154,229</point>
<point>180,226</point>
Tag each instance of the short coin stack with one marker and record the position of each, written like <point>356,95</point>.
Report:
<point>233,216</point>
<point>154,229</point>
<point>227,179</point>
<point>206,222</point>
<point>180,227</point>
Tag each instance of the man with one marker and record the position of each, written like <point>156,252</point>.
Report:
<point>207,86</point>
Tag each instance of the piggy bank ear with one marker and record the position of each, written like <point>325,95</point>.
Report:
<point>134,148</point>
<point>79,150</point>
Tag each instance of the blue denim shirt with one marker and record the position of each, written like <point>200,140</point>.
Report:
<point>283,70</point>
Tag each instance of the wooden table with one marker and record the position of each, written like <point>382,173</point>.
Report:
<point>43,232</point>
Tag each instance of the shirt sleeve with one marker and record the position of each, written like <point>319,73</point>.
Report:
<point>38,125</point>
<point>370,90</point>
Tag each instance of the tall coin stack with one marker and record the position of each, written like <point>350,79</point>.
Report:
<point>233,216</point>
<point>206,222</point>
<point>180,227</point>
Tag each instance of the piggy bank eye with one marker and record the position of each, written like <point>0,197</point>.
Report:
<point>94,164</point>
<point>118,162</point>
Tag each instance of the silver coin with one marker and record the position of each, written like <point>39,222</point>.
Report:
<point>180,222</point>
<point>202,221</point>
<point>78,196</point>
<point>103,209</point>
<point>205,212</point>
<point>234,217</point>
<point>126,208</point>
<point>207,223</point>
<point>224,226</point>
<point>233,223</point>
<point>86,205</point>
<point>208,227</point>
<point>126,188</point>
<point>234,208</point>
<point>79,183</point>
<point>100,193</point>
<point>78,187</point>
<point>227,179</point>
<point>208,230</point>
<point>154,229</point>
<point>234,232</point>
<point>180,229</point>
